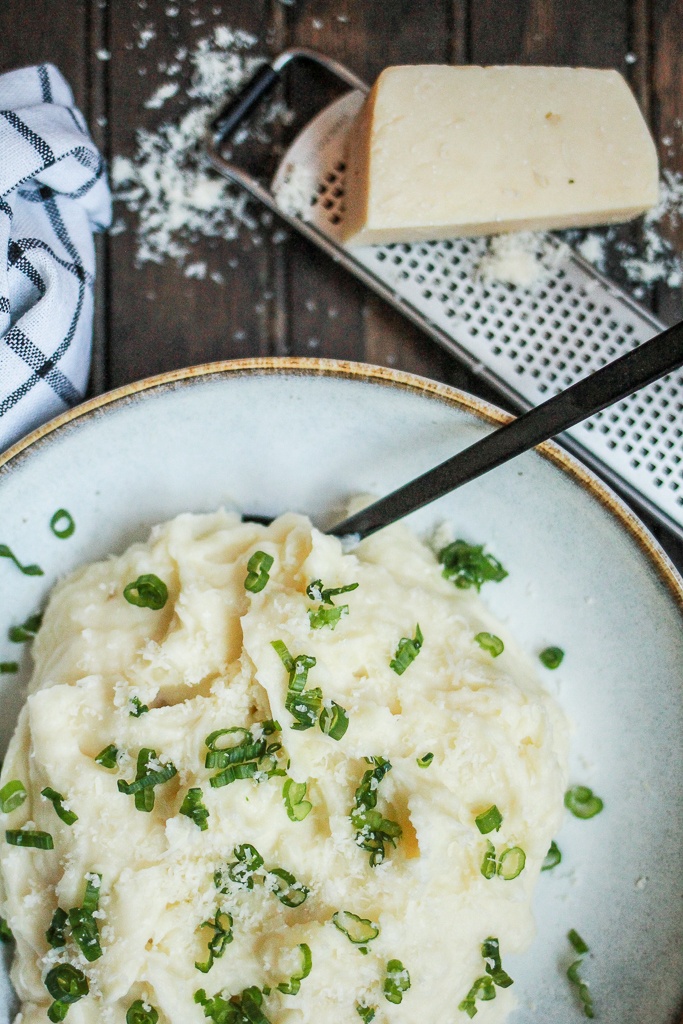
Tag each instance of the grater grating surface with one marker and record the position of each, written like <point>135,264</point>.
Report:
<point>529,343</point>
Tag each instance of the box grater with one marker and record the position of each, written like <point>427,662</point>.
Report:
<point>528,343</point>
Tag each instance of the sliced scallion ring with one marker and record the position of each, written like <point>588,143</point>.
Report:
<point>193,807</point>
<point>358,930</point>
<point>27,570</point>
<point>57,800</point>
<point>294,796</point>
<point>397,982</point>
<point>488,864</point>
<point>12,795</point>
<point>552,858</point>
<point>582,802</point>
<point>56,932</point>
<point>511,863</point>
<point>552,657</point>
<point>5,931</point>
<point>425,760</point>
<point>140,1012</point>
<point>407,651</point>
<point>333,721</point>
<point>366,1013</point>
<point>291,987</point>
<point>108,757</point>
<point>62,524</point>
<point>289,892</point>
<point>8,667</point>
<point>147,591</point>
<point>30,838</point>
<point>491,643</point>
<point>258,569</point>
<point>489,820</point>
<point>577,942</point>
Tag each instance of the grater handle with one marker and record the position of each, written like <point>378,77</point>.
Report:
<point>617,380</point>
<point>236,109</point>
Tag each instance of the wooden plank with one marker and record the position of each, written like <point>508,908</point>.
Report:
<point>37,33</point>
<point>159,318</point>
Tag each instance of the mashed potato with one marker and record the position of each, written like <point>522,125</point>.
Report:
<point>272,884</point>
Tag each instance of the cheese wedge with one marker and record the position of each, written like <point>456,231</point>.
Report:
<point>441,151</point>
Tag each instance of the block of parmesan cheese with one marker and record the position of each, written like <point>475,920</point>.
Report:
<point>440,151</point>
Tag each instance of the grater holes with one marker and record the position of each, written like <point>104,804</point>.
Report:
<point>536,340</point>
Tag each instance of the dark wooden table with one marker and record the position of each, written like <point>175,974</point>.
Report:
<point>153,318</point>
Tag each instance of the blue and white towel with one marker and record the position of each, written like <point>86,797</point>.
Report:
<point>53,195</point>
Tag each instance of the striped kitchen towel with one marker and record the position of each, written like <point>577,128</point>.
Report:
<point>53,195</point>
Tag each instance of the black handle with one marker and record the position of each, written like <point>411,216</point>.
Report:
<point>236,109</point>
<point>654,359</point>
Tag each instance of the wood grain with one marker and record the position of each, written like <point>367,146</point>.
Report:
<point>159,318</point>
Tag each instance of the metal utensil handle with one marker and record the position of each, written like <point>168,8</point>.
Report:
<point>266,77</point>
<point>617,380</point>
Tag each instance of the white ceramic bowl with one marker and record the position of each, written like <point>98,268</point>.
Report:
<point>270,435</point>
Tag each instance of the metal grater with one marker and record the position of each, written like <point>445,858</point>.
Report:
<point>527,343</point>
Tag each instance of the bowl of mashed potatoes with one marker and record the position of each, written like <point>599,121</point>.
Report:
<point>263,776</point>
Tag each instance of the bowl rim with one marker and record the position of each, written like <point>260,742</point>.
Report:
<point>388,377</point>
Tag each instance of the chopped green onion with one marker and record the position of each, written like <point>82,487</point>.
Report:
<point>289,892</point>
<point>62,524</point>
<point>366,1013</point>
<point>258,567</point>
<point>489,820</point>
<point>396,982</point>
<point>242,1009</point>
<point>220,940</point>
<point>148,591</point>
<point>27,631</point>
<point>5,931</point>
<point>108,757</point>
<point>30,837</point>
<point>66,984</point>
<point>333,721</point>
<point>141,1012</point>
<point>193,807</point>
<point>305,708</point>
<point>146,779</point>
<point>83,924</point>
<point>248,862</point>
<point>136,707</point>
<point>358,930</point>
<point>490,950</point>
<point>12,795</point>
<point>232,773</point>
<point>57,800</point>
<point>319,617</point>
<point>582,802</point>
<point>425,760</point>
<point>373,830</point>
<point>552,857</point>
<point>8,667</point>
<point>317,592</point>
<point>407,651</point>
<point>294,796</point>
<point>246,748</point>
<point>491,643</point>
<point>583,992</point>
<point>283,654</point>
<point>467,565</point>
<point>483,989</point>
<point>28,570</point>
<point>291,987</point>
<point>552,657</point>
<point>56,933</point>
<point>577,942</point>
<point>511,863</point>
<point>488,864</point>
